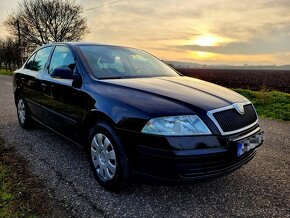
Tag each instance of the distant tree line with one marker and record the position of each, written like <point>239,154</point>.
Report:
<point>9,54</point>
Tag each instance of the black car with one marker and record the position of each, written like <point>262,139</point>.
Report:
<point>135,114</point>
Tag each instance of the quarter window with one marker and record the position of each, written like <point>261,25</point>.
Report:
<point>40,59</point>
<point>62,57</point>
<point>29,63</point>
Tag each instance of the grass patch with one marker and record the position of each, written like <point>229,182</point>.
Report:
<point>4,72</point>
<point>272,104</point>
<point>20,194</point>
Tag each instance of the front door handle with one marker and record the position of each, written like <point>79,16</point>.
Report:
<point>44,86</point>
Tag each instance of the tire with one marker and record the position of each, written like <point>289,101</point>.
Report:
<point>108,157</point>
<point>23,113</point>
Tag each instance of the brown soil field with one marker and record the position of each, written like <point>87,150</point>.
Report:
<point>239,78</point>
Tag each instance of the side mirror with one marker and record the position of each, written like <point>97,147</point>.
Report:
<point>62,73</point>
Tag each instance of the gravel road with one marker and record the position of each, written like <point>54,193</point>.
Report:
<point>259,189</point>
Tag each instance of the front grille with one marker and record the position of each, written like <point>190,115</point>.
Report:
<point>230,120</point>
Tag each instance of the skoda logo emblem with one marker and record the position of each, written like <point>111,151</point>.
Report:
<point>239,108</point>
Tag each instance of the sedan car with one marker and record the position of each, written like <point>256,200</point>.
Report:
<point>136,115</point>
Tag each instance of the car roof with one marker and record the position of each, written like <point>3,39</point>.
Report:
<point>80,43</point>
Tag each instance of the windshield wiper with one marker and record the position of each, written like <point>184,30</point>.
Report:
<point>113,77</point>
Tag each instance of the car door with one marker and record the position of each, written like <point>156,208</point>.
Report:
<point>63,101</point>
<point>30,80</point>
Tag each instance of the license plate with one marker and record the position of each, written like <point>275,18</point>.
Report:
<point>248,144</point>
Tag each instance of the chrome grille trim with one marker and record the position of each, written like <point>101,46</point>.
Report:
<point>210,115</point>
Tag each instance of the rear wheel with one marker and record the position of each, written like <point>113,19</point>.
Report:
<point>108,157</point>
<point>23,113</point>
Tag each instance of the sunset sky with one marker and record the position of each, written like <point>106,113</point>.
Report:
<point>203,31</point>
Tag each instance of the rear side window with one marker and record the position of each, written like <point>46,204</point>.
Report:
<point>37,61</point>
<point>62,57</point>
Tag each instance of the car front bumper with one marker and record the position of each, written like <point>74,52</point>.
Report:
<point>186,159</point>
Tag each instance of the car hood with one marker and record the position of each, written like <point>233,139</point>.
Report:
<point>184,90</point>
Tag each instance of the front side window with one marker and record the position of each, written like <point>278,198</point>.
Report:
<point>40,59</point>
<point>62,57</point>
<point>108,62</point>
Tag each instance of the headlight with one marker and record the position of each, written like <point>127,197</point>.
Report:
<point>176,126</point>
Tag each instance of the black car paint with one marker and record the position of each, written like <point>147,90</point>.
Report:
<point>71,108</point>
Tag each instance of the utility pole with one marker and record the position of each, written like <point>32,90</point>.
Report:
<point>18,28</point>
<point>19,41</point>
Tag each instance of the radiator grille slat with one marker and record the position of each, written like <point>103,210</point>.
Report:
<point>231,120</point>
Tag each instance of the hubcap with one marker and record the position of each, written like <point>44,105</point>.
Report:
<point>104,157</point>
<point>21,111</point>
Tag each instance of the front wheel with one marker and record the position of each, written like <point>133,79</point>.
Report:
<point>108,157</point>
<point>23,114</point>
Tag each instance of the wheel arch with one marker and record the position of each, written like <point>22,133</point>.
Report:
<point>17,93</point>
<point>90,120</point>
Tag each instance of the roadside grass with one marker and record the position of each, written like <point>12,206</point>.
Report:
<point>272,104</point>
<point>20,194</point>
<point>4,72</point>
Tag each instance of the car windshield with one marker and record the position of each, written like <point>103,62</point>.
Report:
<point>108,62</point>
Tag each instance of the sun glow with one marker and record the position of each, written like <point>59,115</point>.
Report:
<point>206,41</point>
<point>200,55</point>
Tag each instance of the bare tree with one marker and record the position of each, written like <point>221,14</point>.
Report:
<point>9,53</point>
<point>42,21</point>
